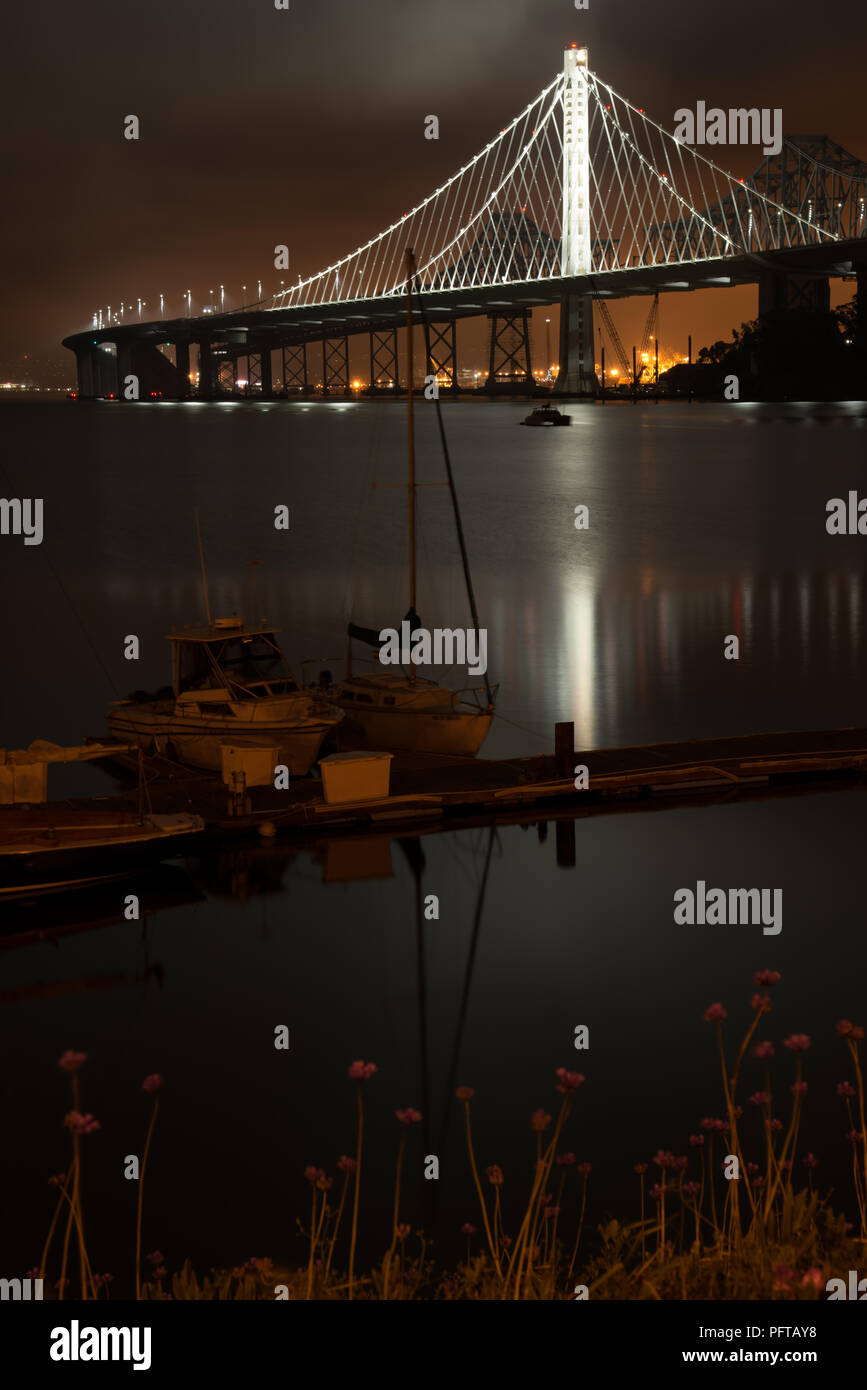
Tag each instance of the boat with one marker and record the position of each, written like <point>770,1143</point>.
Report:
<point>230,683</point>
<point>546,415</point>
<point>53,848</point>
<point>48,847</point>
<point>399,710</point>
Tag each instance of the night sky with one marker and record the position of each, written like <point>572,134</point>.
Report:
<point>305,126</point>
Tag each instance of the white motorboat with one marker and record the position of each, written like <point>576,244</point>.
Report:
<point>229,682</point>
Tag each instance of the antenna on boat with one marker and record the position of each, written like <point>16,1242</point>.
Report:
<point>410,272</point>
<point>465,559</point>
<point>204,573</point>
<point>254,591</point>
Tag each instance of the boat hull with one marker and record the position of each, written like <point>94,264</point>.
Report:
<point>198,742</point>
<point>42,853</point>
<point>455,732</point>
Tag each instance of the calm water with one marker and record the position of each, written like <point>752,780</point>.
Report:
<point>704,521</point>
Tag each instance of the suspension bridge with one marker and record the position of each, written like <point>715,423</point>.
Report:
<point>582,198</point>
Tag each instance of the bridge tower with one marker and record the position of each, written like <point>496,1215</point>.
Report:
<point>577,376</point>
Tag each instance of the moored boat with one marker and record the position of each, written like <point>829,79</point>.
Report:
<point>403,714</point>
<point>229,681</point>
<point>546,415</point>
<point>52,847</point>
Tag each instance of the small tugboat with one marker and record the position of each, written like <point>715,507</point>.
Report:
<point>546,415</point>
<point>229,681</point>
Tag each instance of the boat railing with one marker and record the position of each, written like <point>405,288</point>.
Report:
<point>479,690</point>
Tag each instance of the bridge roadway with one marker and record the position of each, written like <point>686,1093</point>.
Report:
<point>260,330</point>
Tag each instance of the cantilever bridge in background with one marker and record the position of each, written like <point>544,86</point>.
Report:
<point>581,197</point>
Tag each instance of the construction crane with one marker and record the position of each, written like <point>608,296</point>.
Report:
<point>605,315</point>
<point>648,332</point>
<point>606,318</point>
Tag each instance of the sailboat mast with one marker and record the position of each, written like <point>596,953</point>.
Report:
<point>410,271</point>
<point>204,571</point>
<point>465,559</point>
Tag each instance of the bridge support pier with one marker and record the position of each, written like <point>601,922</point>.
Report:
<point>182,362</point>
<point>226,376</point>
<point>383,361</point>
<point>577,374</point>
<point>206,390</point>
<point>124,367</point>
<point>255,373</point>
<point>89,377</point>
<point>267,375</point>
<point>780,290</point>
<point>441,345</point>
<point>510,351</point>
<point>335,366</point>
<point>295,375</point>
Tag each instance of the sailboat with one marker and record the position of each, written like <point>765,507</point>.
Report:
<point>399,710</point>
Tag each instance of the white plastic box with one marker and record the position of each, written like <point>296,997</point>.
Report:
<point>355,777</point>
<point>256,761</point>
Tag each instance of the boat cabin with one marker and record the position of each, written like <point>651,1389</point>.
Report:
<point>229,659</point>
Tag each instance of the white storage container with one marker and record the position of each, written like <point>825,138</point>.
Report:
<point>257,762</point>
<point>355,777</point>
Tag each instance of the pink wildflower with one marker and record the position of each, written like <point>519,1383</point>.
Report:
<point>81,1124</point>
<point>783,1276</point>
<point>71,1061</point>
<point>362,1071</point>
<point>568,1080</point>
<point>715,1014</point>
<point>765,979</point>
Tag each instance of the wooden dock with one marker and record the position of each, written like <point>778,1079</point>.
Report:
<point>429,790</point>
